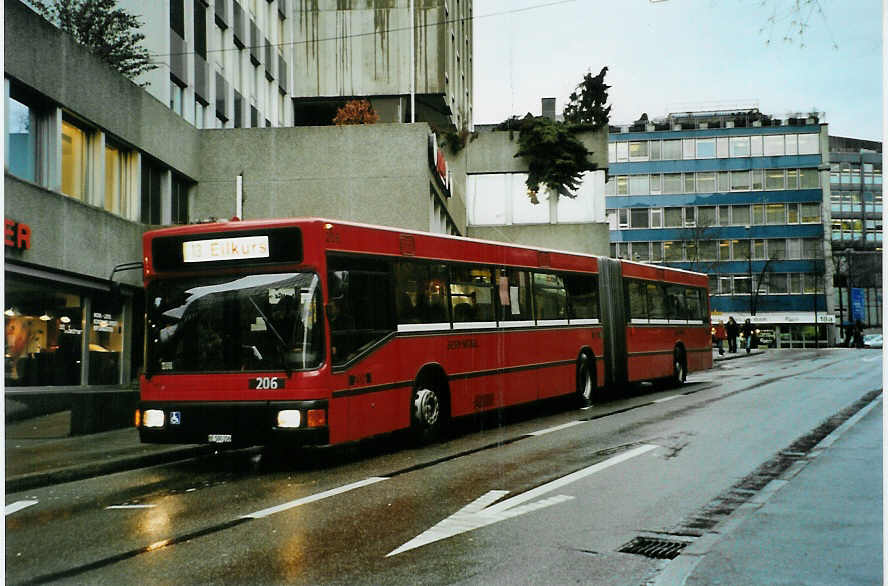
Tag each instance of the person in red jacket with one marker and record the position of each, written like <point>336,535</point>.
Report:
<point>718,336</point>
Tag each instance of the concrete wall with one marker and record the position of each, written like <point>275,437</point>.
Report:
<point>377,174</point>
<point>71,236</point>
<point>49,61</point>
<point>585,238</point>
<point>494,152</point>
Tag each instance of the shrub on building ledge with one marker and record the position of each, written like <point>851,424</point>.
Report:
<point>355,112</point>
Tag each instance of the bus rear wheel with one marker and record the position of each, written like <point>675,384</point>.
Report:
<point>585,381</point>
<point>679,367</point>
<point>426,413</point>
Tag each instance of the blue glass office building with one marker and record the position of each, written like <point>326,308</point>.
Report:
<point>740,196</point>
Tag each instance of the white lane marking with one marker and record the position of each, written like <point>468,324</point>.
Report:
<point>556,428</point>
<point>482,512</point>
<point>18,506</point>
<point>664,399</point>
<point>315,497</point>
<point>124,507</point>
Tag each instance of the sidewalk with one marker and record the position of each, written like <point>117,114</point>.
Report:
<point>39,452</point>
<point>821,524</point>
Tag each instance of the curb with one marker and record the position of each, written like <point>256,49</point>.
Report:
<point>81,472</point>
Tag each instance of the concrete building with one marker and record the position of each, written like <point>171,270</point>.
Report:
<point>856,210</point>
<point>741,196</point>
<point>405,56</point>
<point>273,63</point>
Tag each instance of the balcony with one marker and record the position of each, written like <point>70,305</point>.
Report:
<point>282,74</point>
<point>178,61</point>
<point>221,98</point>
<point>221,10</point>
<point>269,60</point>
<point>238,32</point>
<point>201,80</point>
<point>255,40</point>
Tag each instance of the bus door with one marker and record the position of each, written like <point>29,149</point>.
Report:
<point>613,320</point>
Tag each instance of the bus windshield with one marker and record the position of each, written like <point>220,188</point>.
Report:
<point>265,322</point>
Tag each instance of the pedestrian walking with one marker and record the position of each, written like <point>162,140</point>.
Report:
<point>733,330</point>
<point>748,333</point>
<point>718,336</point>
<point>858,334</point>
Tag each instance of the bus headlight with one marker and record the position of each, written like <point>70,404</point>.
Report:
<point>153,418</point>
<point>289,418</point>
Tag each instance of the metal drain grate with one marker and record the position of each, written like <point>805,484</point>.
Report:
<point>652,547</point>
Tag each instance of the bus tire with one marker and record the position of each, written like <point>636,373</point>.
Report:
<point>679,367</point>
<point>427,412</point>
<point>585,380</point>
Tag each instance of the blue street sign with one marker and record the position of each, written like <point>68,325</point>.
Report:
<point>857,304</point>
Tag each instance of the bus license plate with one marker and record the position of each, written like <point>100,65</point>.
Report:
<point>219,438</point>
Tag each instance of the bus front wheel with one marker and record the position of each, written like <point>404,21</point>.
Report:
<point>426,411</point>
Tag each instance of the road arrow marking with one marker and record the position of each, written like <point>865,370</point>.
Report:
<point>18,506</point>
<point>482,511</point>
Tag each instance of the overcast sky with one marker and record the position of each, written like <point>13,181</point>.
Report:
<point>679,55</point>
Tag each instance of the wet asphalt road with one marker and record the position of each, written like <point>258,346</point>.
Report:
<point>546,494</point>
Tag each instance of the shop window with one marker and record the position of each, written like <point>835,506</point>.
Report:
<point>74,160</point>
<point>44,333</point>
<point>105,341</point>
<point>21,138</point>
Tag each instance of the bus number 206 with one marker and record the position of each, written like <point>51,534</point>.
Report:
<point>267,383</point>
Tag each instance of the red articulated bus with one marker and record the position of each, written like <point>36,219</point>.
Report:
<point>313,331</point>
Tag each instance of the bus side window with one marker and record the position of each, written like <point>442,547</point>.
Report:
<point>637,304</point>
<point>693,303</point>
<point>513,287</point>
<point>675,302</point>
<point>582,296</point>
<point>421,293</point>
<point>656,299</point>
<point>549,296</point>
<point>471,292</point>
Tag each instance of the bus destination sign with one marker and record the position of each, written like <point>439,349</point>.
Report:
<point>225,249</point>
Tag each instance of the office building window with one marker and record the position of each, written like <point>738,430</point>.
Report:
<point>74,160</point>
<point>811,213</point>
<point>706,182</point>
<point>671,150</point>
<point>723,147</point>
<point>792,144</point>
<point>655,150</point>
<point>740,146</point>
<point>152,177</point>
<point>740,181</point>
<point>776,213</point>
<point>176,97</point>
<point>117,180</point>
<point>705,148</point>
<point>639,185</point>
<point>809,144</point>
<point>775,179</point>
<point>755,146</point>
<point>638,150</point>
<point>773,145</point>
<point>21,139</point>
<point>671,182</point>
<point>809,179</point>
<point>179,200</point>
<point>640,218</point>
